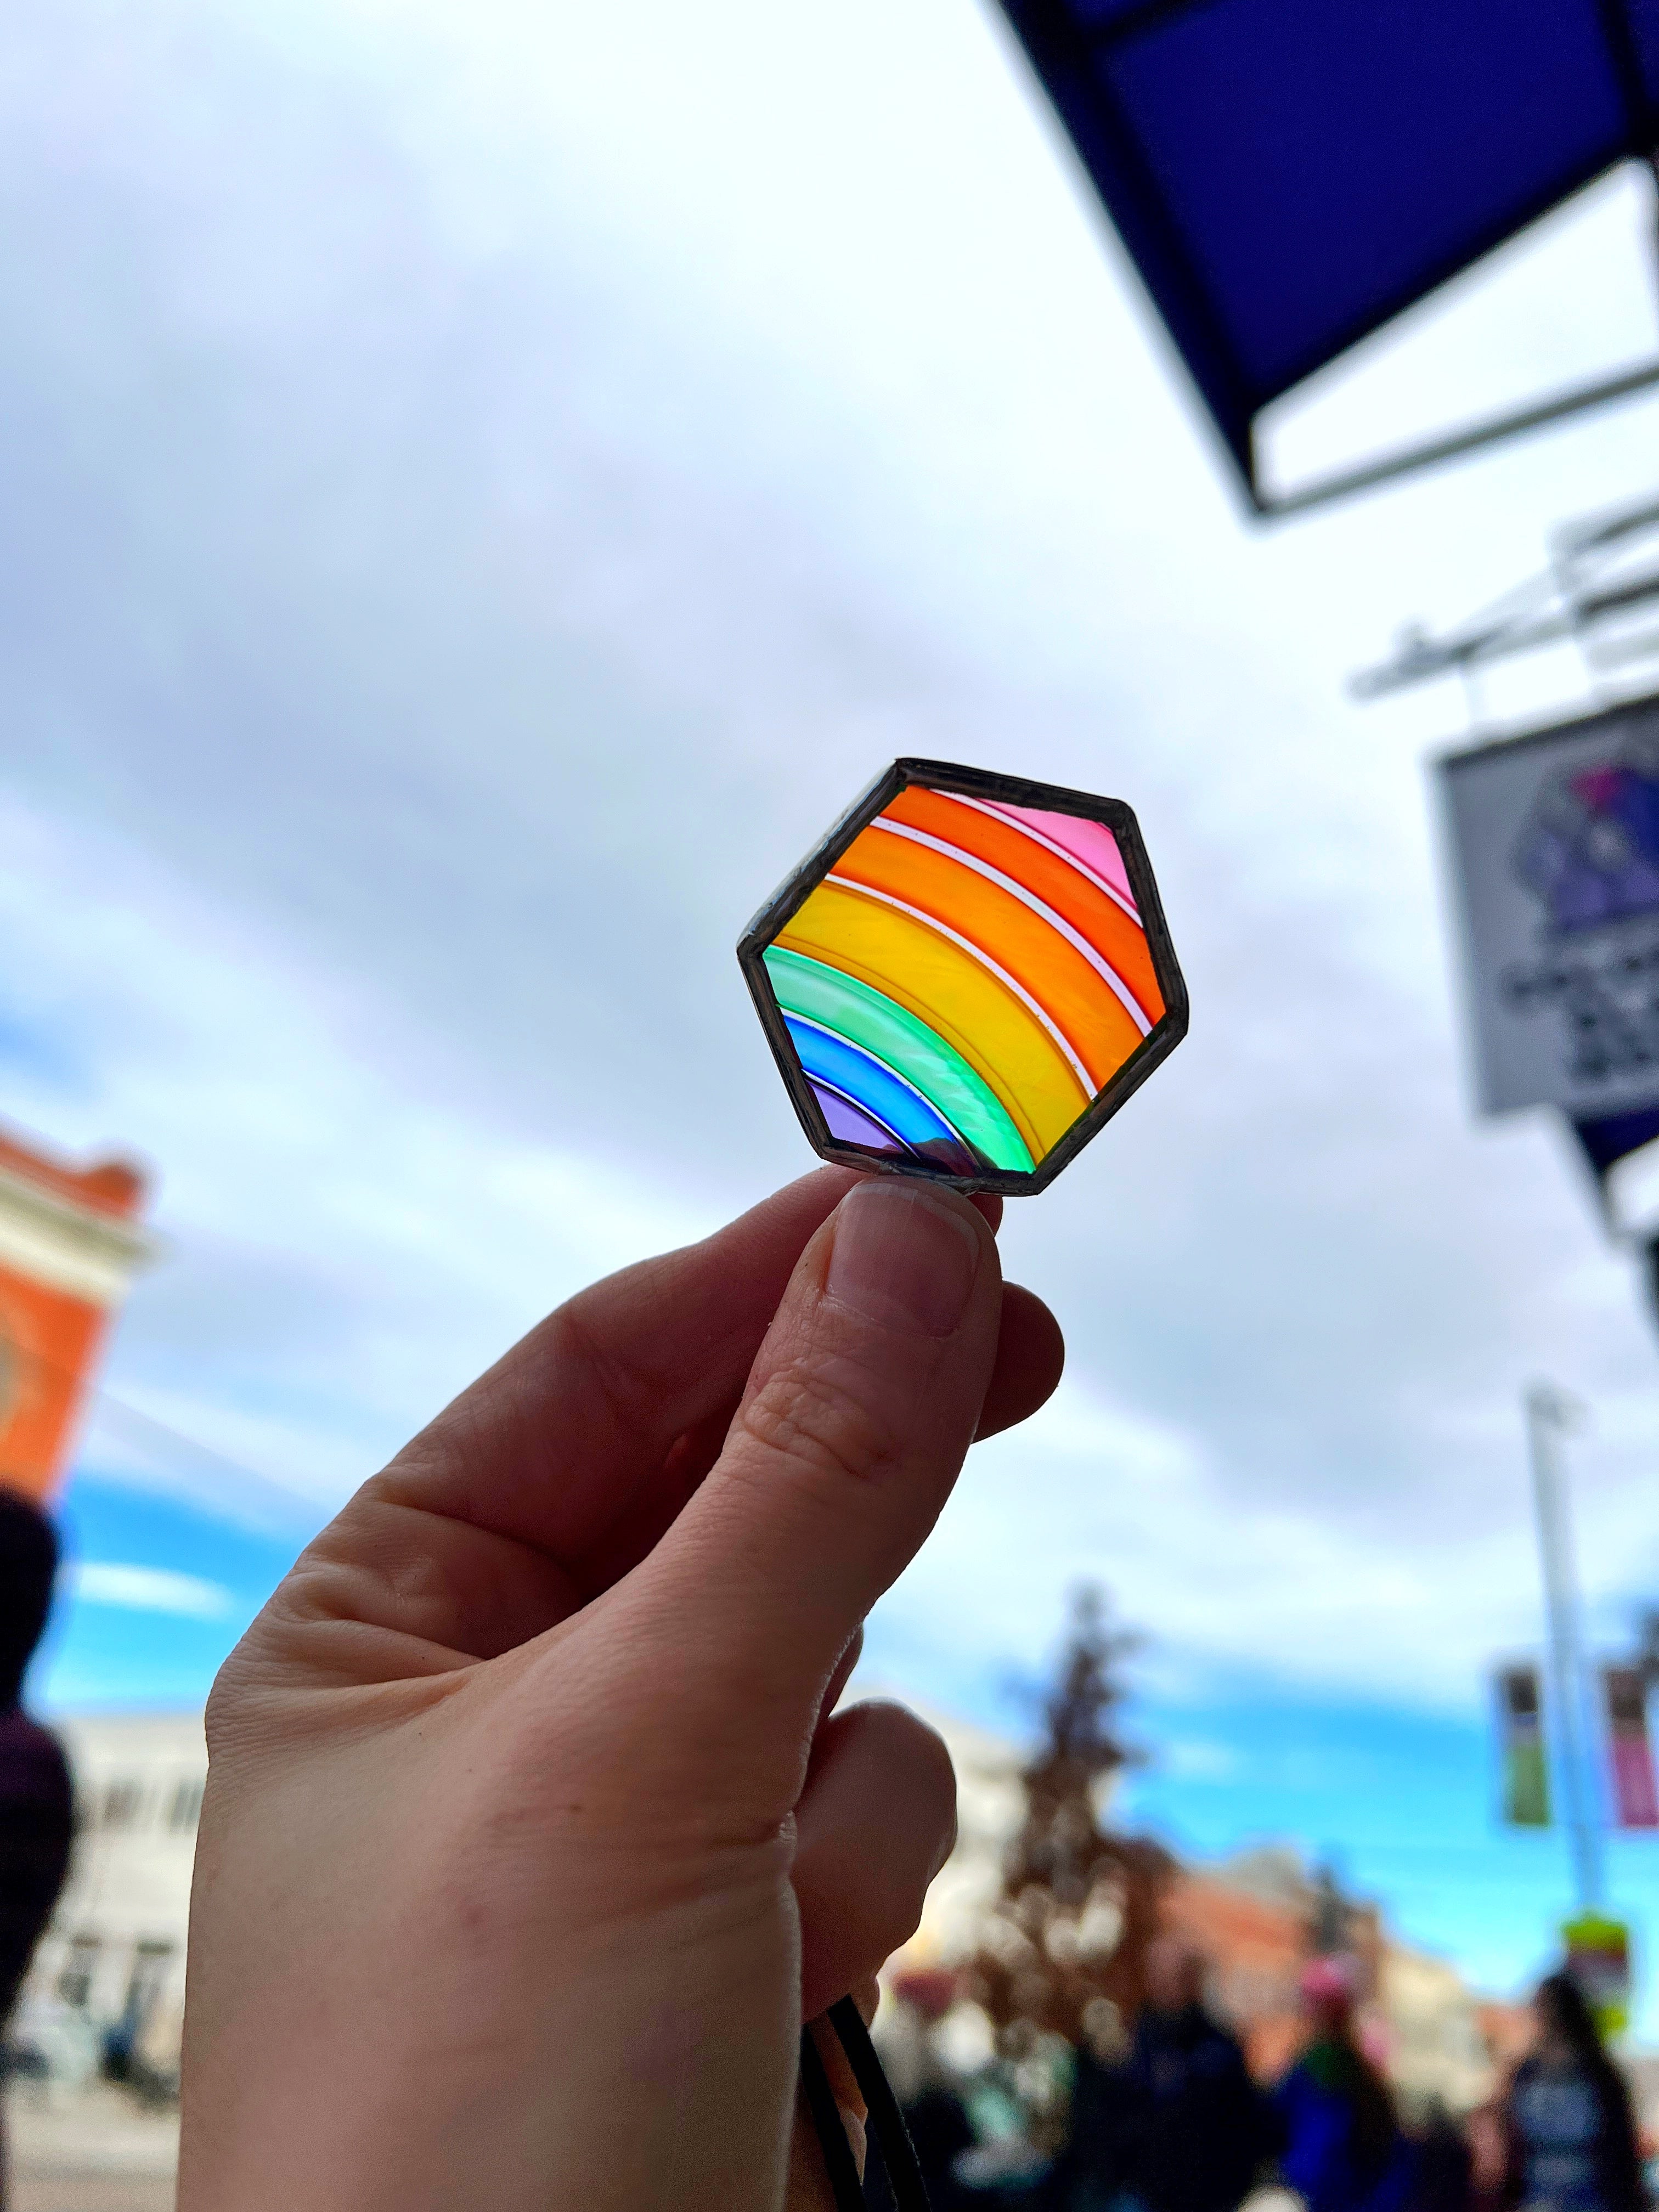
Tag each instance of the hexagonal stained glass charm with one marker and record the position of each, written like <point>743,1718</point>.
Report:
<point>967,977</point>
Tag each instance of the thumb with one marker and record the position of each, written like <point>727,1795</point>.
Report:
<point>857,1414</point>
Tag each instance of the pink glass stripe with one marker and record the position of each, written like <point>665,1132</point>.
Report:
<point>1091,842</point>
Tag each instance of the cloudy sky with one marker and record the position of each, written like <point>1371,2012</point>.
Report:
<point>484,487</point>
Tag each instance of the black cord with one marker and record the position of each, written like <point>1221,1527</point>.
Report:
<point>898,2152</point>
<point>842,2167</point>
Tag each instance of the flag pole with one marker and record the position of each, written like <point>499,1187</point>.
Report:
<point>1550,1412</point>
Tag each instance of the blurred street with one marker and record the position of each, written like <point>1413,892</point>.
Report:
<point>91,2151</point>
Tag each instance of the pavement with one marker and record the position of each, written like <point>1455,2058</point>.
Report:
<point>88,2150</point>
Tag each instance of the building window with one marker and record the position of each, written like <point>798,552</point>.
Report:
<point>122,1801</point>
<point>186,1808</point>
<point>75,1981</point>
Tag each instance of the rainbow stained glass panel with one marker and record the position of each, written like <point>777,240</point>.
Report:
<point>968,978</point>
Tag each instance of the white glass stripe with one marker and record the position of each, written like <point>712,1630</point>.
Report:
<point>903,1081</point>
<point>973,951</point>
<point>1030,830</point>
<point>1075,938</point>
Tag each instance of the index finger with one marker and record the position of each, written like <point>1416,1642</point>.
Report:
<point>552,1444</point>
<point>553,1476</point>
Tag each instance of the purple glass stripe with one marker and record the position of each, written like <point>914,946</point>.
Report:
<point>850,1127</point>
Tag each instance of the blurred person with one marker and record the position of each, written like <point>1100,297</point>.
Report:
<point>1444,2173</point>
<point>1572,2134</point>
<point>532,1834</point>
<point>1087,2176</point>
<point>36,1802</point>
<point>1178,2125</point>
<point>1201,2129</point>
<point>1485,2132</point>
<point>1344,2150</point>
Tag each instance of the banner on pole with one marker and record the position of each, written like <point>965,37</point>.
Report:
<point>1520,1735</point>
<point>1630,1752</point>
<point>1598,1960</point>
<point>1555,844</point>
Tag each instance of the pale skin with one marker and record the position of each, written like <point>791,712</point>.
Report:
<point>528,1845</point>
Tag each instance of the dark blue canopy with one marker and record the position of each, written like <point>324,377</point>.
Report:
<point>1289,174</point>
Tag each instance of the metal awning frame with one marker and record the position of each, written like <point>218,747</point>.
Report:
<point>1065,55</point>
<point>1580,598</point>
<point>1452,445</point>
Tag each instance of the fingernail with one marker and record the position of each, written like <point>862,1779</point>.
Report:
<point>857,2142</point>
<point>902,1257</point>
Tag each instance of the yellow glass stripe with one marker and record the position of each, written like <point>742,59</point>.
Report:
<point>946,987</point>
<point>1079,1002</point>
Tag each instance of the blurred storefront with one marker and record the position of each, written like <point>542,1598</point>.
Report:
<point>107,1985</point>
<point>70,1244</point>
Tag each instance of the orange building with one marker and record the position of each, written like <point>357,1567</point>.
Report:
<point>1257,1948</point>
<point>1258,1917</point>
<point>69,1243</point>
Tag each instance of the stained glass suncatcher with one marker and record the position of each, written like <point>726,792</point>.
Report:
<point>968,978</point>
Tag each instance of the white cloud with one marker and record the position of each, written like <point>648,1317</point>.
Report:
<point>345,1256</point>
<point>529,469</point>
<point>148,1590</point>
<point>1199,1759</point>
<point>1222,1578</point>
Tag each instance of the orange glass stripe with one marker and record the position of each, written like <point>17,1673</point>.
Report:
<point>1117,937</point>
<point>1080,1003</point>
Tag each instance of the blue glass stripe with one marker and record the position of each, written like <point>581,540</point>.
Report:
<point>870,1084</point>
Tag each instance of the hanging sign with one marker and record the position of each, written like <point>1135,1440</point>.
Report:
<point>1598,1960</point>
<point>1520,1735</point>
<point>1555,847</point>
<point>1630,1752</point>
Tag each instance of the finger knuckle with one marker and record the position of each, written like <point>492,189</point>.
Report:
<point>811,1414</point>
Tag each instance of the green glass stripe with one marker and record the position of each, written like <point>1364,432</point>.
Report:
<point>821,994</point>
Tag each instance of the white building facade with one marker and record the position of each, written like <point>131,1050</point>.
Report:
<point>112,1960</point>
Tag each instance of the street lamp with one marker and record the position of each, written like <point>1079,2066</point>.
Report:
<point>1552,1414</point>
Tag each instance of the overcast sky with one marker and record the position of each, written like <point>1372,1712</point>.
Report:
<point>485,486</point>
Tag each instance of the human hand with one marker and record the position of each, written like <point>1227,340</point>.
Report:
<point>527,1845</point>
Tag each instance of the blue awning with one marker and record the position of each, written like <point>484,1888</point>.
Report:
<point>1290,174</point>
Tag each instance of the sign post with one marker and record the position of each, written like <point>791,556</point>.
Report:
<point>1548,1413</point>
<point>1555,840</point>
